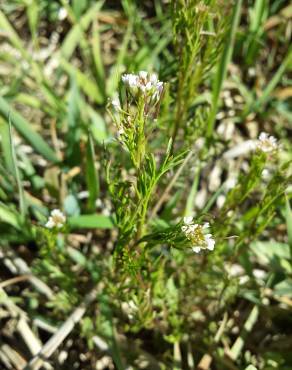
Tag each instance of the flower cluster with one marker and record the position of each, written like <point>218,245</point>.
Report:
<point>56,220</point>
<point>196,235</point>
<point>144,82</point>
<point>266,143</point>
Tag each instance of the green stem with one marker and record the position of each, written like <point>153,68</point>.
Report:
<point>141,134</point>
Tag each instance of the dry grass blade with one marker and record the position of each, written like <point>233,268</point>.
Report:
<point>57,339</point>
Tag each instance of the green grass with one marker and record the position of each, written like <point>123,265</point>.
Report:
<point>119,283</point>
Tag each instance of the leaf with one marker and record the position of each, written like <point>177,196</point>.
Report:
<point>91,174</point>
<point>223,64</point>
<point>85,82</point>
<point>96,52</point>
<point>97,125</point>
<point>6,147</point>
<point>33,10</point>
<point>117,69</point>
<point>238,345</point>
<point>71,205</point>
<point>91,222</point>
<point>76,33</point>
<point>77,256</point>
<point>24,128</point>
<point>284,288</point>
<point>22,203</point>
<point>273,82</point>
<point>9,217</point>
<point>73,153</point>
<point>270,252</point>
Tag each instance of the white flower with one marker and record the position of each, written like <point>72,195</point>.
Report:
<point>195,233</point>
<point>267,143</point>
<point>145,82</point>
<point>57,219</point>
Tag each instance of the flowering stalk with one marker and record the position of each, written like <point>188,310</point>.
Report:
<point>143,96</point>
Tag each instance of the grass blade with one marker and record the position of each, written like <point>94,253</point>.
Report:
<point>85,83</point>
<point>22,204</point>
<point>91,174</point>
<point>91,222</point>
<point>24,128</point>
<point>287,62</point>
<point>247,328</point>
<point>76,34</point>
<point>6,147</point>
<point>222,66</point>
<point>9,217</point>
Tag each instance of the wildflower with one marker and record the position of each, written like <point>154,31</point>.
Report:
<point>57,219</point>
<point>144,82</point>
<point>267,143</point>
<point>195,233</point>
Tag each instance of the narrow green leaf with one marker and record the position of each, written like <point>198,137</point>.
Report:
<point>96,52</point>
<point>77,256</point>
<point>97,125</point>
<point>238,345</point>
<point>223,65</point>
<point>24,128</point>
<point>77,31</point>
<point>91,174</point>
<point>192,194</point>
<point>287,62</point>
<point>22,203</point>
<point>91,222</point>
<point>6,147</point>
<point>114,78</point>
<point>9,217</point>
<point>85,82</point>
<point>33,10</point>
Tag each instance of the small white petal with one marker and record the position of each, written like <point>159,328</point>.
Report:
<point>188,220</point>
<point>56,213</point>
<point>196,249</point>
<point>143,75</point>
<point>263,136</point>
<point>154,78</point>
<point>50,224</point>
